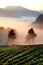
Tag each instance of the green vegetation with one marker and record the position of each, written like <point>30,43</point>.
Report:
<point>21,55</point>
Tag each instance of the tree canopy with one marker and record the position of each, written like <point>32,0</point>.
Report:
<point>12,34</point>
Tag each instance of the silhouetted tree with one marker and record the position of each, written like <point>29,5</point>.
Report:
<point>31,31</point>
<point>12,34</point>
<point>31,36</point>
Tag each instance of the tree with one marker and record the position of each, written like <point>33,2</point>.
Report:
<point>31,31</point>
<point>12,34</point>
<point>30,38</point>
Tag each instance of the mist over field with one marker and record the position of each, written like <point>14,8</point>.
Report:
<point>21,26</point>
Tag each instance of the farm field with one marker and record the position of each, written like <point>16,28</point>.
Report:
<point>21,55</point>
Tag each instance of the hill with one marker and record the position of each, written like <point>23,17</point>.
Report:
<point>39,22</point>
<point>18,11</point>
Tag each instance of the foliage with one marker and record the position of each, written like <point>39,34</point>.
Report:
<point>19,55</point>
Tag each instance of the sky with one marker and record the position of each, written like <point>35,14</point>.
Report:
<point>30,4</point>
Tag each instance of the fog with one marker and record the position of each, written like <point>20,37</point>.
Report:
<point>22,26</point>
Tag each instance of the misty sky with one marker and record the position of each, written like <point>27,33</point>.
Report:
<point>30,4</point>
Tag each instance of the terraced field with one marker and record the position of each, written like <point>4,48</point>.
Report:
<point>21,55</point>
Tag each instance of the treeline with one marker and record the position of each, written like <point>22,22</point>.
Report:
<point>12,34</point>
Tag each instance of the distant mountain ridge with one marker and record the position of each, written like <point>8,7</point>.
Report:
<point>17,11</point>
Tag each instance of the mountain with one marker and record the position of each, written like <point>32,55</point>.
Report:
<point>4,13</point>
<point>17,11</point>
<point>41,11</point>
<point>39,21</point>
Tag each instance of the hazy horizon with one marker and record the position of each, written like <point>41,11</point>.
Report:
<point>31,4</point>
<point>20,6</point>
